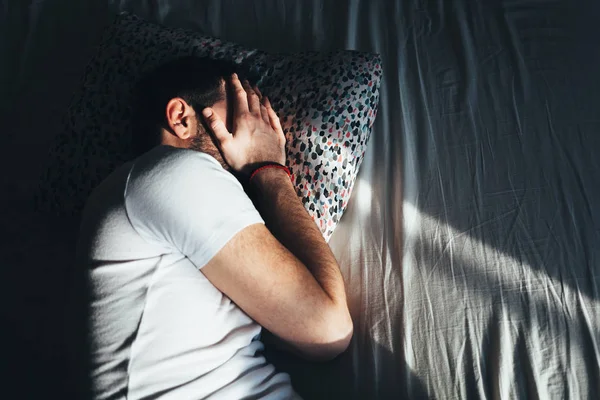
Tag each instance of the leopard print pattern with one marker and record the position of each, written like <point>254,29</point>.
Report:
<point>327,104</point>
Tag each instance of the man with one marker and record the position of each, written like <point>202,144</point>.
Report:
<point>185,268</point>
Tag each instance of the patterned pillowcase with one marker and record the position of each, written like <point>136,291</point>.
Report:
<point>327,104</point>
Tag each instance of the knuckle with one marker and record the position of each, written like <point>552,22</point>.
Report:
<point>245,117</point>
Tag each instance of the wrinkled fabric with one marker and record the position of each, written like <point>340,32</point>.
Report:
<point>471,246</point>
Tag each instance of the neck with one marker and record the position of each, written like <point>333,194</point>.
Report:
<point>201,142</point>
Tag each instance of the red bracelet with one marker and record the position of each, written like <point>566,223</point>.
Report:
<point>270,165</point>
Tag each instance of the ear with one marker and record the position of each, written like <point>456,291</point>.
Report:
<point>179,118</point>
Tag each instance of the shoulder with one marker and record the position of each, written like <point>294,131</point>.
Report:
<point>166,167</point>
<point>166,175</point>
<point>186,199</point>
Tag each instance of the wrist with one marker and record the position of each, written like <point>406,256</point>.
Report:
<point>262,176</point>
<point>259,168</point>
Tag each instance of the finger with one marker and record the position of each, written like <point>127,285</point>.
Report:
<point>216,125</point>
<point>264,112</point>
<point>253,100</point>
<point>273,118</point>
<point>257,90</point>
<point>240,98</point>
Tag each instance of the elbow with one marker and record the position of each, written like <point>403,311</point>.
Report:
<point>336,338</point>
<point>337,345</point>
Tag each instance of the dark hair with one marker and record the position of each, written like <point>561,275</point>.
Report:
<point>196,80</point>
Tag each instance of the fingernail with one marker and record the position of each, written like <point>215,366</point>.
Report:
<point>207,112</point>
<point>234,75</point>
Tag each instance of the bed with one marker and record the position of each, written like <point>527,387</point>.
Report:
<point>471,244</point>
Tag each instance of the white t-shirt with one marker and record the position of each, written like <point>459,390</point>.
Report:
<point>159,328</point>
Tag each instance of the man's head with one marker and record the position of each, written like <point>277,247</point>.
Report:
<point>169,102</point>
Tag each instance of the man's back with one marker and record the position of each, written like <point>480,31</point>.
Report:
<point>159,327</point>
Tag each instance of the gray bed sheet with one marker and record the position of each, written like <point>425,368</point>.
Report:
<point>471,245</point>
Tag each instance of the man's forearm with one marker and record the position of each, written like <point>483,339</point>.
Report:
<point>287,219</point>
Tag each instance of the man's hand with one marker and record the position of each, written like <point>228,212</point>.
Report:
<point>257,135</point>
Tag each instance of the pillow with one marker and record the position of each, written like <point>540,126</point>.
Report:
<point>326,102</point>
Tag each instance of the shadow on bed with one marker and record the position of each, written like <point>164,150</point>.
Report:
<point>333,380</point>
<point>43,324</point>
<point>502,115</point>
<point>44,333</point>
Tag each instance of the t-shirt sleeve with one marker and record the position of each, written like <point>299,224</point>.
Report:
<point>184,200</point>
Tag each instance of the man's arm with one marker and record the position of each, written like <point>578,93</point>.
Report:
<point>288,221</point>
<point>289,283</point>
<point>278,291</point>
<point>286,277</point>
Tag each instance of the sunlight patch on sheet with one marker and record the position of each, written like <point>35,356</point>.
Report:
<point>363,195</point>
<point>447,257</point>
<point>497,266</point>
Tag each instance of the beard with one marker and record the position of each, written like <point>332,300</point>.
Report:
<point>205,143</point>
